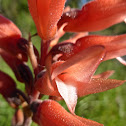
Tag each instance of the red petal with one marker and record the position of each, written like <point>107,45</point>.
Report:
<point>81,66</point>
<point>43,84</point>
<point>46,14</point>
<point>50,113</point>
<point>84,67</point>
<point>59,34</point>
<point>7,85</point>
<point>115,45</point>
<point>105,74</point>
<point>68,93</point>
<point>95,15</point>
<point>97,85</point>
<point>63,48</point>
<point>75,37</point>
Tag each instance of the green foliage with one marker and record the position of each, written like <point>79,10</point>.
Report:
<point>6,113</point>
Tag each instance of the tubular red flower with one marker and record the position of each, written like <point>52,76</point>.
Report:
<point>115,46</point>
<point>46,14</point>
<point>50,113</point>
<point>94,16</point>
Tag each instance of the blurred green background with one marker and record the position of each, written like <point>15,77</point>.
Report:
<point>107,107</point>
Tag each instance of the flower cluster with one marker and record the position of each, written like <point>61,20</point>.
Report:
<point>65,70</point>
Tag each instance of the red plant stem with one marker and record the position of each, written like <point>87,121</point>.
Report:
<point>33,59</point>
<point>44,50</point>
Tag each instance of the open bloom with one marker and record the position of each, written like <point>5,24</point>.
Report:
<point>73,78</point>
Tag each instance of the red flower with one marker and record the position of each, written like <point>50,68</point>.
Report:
<point>74,77</point>
<point>95,15</point>
<point>46,14</point>
<point>115,46</point>
<point>52,113</point>
<point>11,39</point>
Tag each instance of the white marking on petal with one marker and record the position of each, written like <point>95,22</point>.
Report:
<point>121,60</point>
<point>68,93</point>
<point>125,20</point>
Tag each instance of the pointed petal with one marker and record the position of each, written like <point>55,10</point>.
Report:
<point>7,85</point>
<point>97,85</point>
<point>59,34</point>
<point>57,49</point>
<point>50,113</point>
<point>105,74</point>
<point>75,37</point>
<point>115,45</point>
<point>95,15</point>
<point>46,14</point>
<point>68,93</point>
<point>43,84</point>
<point>81,66</point>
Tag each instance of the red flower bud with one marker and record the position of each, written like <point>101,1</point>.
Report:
<point>51,113</point>
<point>46,14</point>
